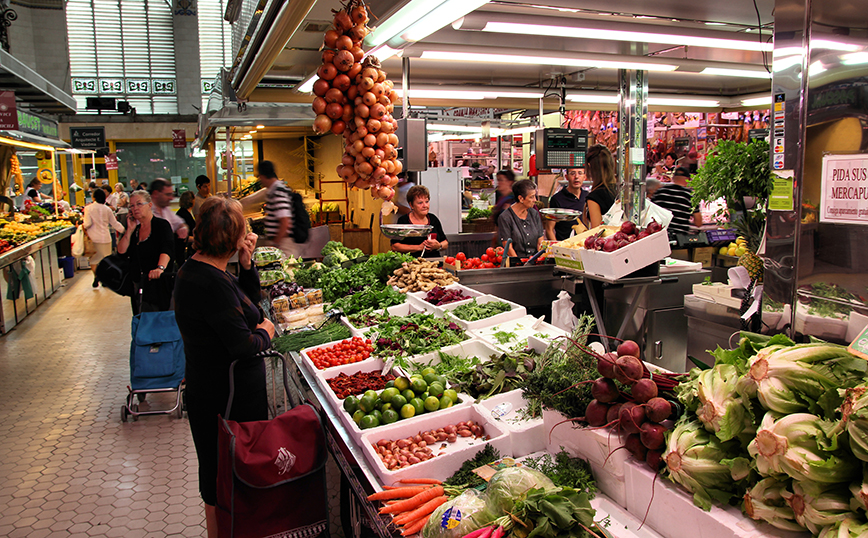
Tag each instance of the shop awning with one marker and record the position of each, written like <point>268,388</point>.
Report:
<point>33,88</point>
<point>21,136</point>
<point>268,114</point>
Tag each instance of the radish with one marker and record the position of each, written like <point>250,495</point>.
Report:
<point>658,409</point>
<point>643,390</point>
<point>653,436</point>
<point>604,390</point>
<point>628,347</point>
<point>628,369</point>
<point>606,365</point>
<point>654,459</point>
<point>612,414</point>
<point>631,417</point>
<point>634,445</point>
<point>595,413</point>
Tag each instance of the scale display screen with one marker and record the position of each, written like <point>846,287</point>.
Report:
<point>561,148</point>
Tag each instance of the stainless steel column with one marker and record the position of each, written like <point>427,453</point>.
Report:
<point>632,121</point>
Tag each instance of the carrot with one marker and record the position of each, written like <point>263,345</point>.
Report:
<point>423,510</point>
<point>415,527</point>
<point>415,501</point>
<point>389,487</point>
<point>433,481</point>
<point>397,493</point>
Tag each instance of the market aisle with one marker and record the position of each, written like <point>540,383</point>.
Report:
<point>71,467</point>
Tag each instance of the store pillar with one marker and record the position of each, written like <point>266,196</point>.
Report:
<point>632,121</point>
<point>186,33</point>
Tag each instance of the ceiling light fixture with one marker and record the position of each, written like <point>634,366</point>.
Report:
<point>252,132</point>
<point>626,35</point>
<point>675,101</point>
<point>758,101</point>
<point>735,72</point>
<point>592,98</point>
<point>260,126</point>
<point>306,85</point>
<point>383,52</point>
<point>545,60</point>
<point>453,128</point>
<point>419,19</point>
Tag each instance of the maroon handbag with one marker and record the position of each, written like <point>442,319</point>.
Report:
<point>271,474</point>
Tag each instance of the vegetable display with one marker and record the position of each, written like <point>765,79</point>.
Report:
<point>403,336</point>
<point>335,253</point>
<point>629,233</point>
<point>263,256</point>
<point>476,213</point>
<point>400,453</point>
<point>492,258</point>
<point>502,372</point>
<point>440,296</point>
<point>474,311</point>
<point>565,470</point>
<point>348,351</point>
<point>345,385</point>
<point>465,476</point>
<point>373,297</point>
<point>420,275</point>
<point>330,331</point>
<point>368,318</point>
<point>400,399</point>
<point>411,506</point>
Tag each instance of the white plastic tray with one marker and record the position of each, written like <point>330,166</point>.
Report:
<point>527,435</point>
<point>467,348</point>
<point>403,309</point>
<point>417,298</point>
<point>450,457</point>
<point>523,329</point>
<point>516,311</point>
<point>595,445</point>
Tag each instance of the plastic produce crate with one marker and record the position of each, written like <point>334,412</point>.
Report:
<point>516,311</point>
<point>527,435</point>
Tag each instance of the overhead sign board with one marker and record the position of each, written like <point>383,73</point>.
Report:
<point>8,111</point>
<point>87,137</point>
<point>844,184</point>
<point>28,122</point>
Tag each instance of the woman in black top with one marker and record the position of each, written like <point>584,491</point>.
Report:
<point>150,243</point>
<point>220,323</point>
<point>419,199</point>
<point>600,167</point>
<point>184,246</point>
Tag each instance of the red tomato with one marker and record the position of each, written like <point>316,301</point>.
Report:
<point>486,257</point>
<point>450,260</point>
<point>488,265</point>
<point>499,250</point>
<point>460,256</point>
<point>499,259</point>
<point>490,252</point>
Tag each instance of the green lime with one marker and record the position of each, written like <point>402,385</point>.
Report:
<point>436,389</point>
<point>430,378</point>
<point>398,401</point>
<point>372,393</point>
<point>442,380</point>
<point>369,421</point>
<point>432,403</point>
<point>409,394</point>
<point>357,415</point>
<point>389,416</point>
<point>408,411</point>
<point>351,404</point>
<point>378,403</point>
<point>378,415</point>
<point>402,383</point>
<point>389,393</point>
<point>427,370</point>
<point>386,407</point>
<point>445,402</point>
<point>390,383</point>
<point>418,404</point>
<point>366,403</point>
<point>418,385</point>
<point>424,396</point>
<point>452,395</point>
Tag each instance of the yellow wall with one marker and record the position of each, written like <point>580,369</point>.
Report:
<point>279,151</point>
<point>841,136</point>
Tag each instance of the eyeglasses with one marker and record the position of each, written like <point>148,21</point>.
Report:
<point>140,204</point>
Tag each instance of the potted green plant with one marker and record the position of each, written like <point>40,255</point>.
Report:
<point>739,172</point>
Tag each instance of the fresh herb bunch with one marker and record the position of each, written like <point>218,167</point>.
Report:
<point>474,311</point>
<point>415,334</point>
<point>449,365</point>
<point>465,476</point>
<point>367,318</point>
<point>565,470</point>
<point>501,373</point>
<point>384,264</point>
<point>476,213</point>
<point>554,382</point>
<point>341,282</point>
<point>374,297</point>
<point>330,331</point>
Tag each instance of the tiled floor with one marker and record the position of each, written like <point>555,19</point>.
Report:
<point>68,465</point>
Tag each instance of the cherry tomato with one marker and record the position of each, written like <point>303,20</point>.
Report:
<point>450,260</point>
<point>485,257</point>
<point>499,259</point>
<point>488,265</point>
<point>460,256</point>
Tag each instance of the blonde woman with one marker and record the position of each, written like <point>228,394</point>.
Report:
<point>97,219</point>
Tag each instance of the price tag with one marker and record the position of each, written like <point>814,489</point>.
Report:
<point>501,410</point>
<point>860,344</point>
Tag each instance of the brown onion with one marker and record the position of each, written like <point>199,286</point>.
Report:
<point>377,89</point>
<point>320,87</point>
<point>344,60</point>
<point>359,15</point>
<point>328,56</point>
<point>344,43</point>
<point>371,73</point>
<point>327,71</point>
<point>347,115</point>
<point>319,105</point>
<point>393,96</point>
<point>322,124</point>
<point>331,38</point>
<point>362,111</point>
<point>358,32</point>
<point>384,100</point>
<point>347,160</point>
<point>334,95</point>
<point>398,167</point>
<point>343,20</point>
<point>369,99</point>
<point>377,111</point>
<point>341,82</point>
<point>334,110</point>
<point>368,152</point>
<point>358,53</point>
<point>370,140</point>
<point>364,169</point>
<point>358,146</point>
<point>359,121</point>
<point>355,69</point>
<point>386,193</point>
<point>352,92</point>
<point>366,84</point>
<point>373,125</point>
<point>361,132</point>
<point>393,139</point>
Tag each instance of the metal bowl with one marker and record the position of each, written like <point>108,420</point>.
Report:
<point>559,214</point>
<point>401,231</point>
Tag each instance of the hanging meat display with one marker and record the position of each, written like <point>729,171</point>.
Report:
<point>353,98</point>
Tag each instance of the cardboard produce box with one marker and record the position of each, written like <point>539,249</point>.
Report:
<point>622,262</point>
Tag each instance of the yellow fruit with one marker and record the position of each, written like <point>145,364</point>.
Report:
<point>740,251</point>
<point>731,251</point>
<point>724,251</point>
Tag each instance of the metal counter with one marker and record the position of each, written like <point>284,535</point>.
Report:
<point>535,286</point>
<point>46,277</point>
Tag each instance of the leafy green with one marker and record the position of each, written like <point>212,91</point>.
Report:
<point>510,483</point>
<point>331,247</point>
<point>560,512</point>
<point>340,282</point>
<point>836,308</point>
<point>334,259</point>
<point>403,336</point>
<point>374,297</point>
<point>309,277</point>
<point>476,213</point>
<point>714,396</point>
<point>565,470</point>
<point>501,373</point>
<point>384,264</point>
<point>465,475</point>
<point>329,331</point>
<point>474,311</point>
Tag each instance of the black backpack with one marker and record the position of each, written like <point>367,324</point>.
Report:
<point>114,273</point>
<point>300,219</point>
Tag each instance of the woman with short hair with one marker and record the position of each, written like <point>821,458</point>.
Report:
<point>220,322</point>
<point>97,219</point>
<point>428,246</point>
<point>521,222</point>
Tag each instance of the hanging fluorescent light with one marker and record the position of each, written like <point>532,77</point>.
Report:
<point>453,128</point>
<point>592,98</point>
<point>260,126</point>
<point>472,93</point>
<point>419,19</point>
<point>544,60</point>
<point>625,35</point>
<point>833,45</point>
<point>758,101</point>
<point>735,72</point>
<point>675,101</point>
<point>306,85</point>
<point>519,130</point>
<point>383,52</point>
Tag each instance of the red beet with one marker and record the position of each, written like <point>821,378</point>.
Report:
<point>635,447</point>
<point>631,417</point>
<point>658,409</point>
<point>628,370</point>
<point>604,390</point>
<point>643,390</point>
<point>653,435</point>
<point>628,347</point>
<point>595,414</point>
<point>612,413</point>
<point>654,459</point>
<point>606,365</point>
<point>642,235</point>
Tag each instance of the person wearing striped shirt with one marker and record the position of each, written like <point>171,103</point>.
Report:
<point>676,197</point>
<point>278,209</point>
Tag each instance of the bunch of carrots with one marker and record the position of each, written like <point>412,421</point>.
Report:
<point>411,505</point>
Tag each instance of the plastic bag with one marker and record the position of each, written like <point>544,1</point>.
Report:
<point>78,242</point>
<point>462,515</point>
<point>562,312</point>
<point>509,484</point>
<point>615,215</point>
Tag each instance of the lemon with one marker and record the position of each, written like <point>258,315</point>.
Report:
<point>724,251</point>
<point>740,251</point>
<point>731,251</point>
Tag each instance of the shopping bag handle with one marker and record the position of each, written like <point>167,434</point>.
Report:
<point>270,353</point>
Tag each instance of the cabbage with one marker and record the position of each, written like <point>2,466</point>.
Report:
<point>854,419</point>
<point>818,505</point>
<point>713,395</point>
<point>765,501</point>
<point>510,484</point>
<point>467,513</point>
<point>848,528</point>
<point>793,445</point>
<point>859,490</point>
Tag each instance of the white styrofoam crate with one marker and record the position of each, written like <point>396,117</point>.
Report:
<point>417,298</point>
<point>670,500</point>
<point>403,309</point>
<point>527,435</point>
<point>358,331</point>
<point>522,328</point>
<point>629,259</point>
<point>821,327</point>
<point>598,446</point>
<point>516,311</point>
<point>615,487</point>
<point>449,458</point>
<point>468,348</point>
<point>313,369</point>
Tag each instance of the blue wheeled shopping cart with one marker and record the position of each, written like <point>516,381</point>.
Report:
<point>156,363</point>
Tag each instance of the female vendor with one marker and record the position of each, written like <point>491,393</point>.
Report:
<point>521,222</point>
<point>600,169</point>
<point>427,247</point>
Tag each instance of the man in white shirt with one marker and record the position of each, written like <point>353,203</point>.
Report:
<point>162,192</point>
<point>203,186</point>
<point>278,209</point>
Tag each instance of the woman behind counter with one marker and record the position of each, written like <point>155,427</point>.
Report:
<point>521,222</point>
<point>600,168</point>
<point>419,199</point>
<point>220,323</point>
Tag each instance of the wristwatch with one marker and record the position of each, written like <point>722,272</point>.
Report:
<point>161,267</point>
